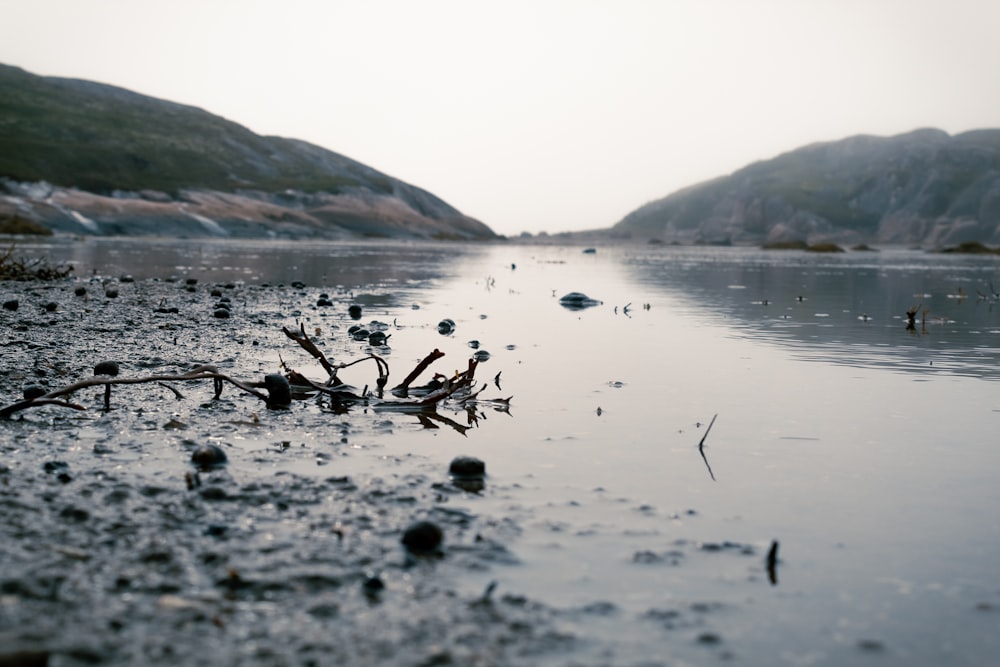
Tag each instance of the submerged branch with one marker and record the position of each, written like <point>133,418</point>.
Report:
<point>402,387</point>
<point>701,448</point>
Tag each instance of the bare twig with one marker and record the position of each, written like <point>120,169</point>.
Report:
<point>701,448</point>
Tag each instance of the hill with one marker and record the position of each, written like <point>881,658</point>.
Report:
<point>920,188</point>
<point>86,157</point>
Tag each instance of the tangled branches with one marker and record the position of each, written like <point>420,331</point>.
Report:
<point>18,268</point>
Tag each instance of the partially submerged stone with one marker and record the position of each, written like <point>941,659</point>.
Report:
<point>422,538</point>
<point>578,301</point>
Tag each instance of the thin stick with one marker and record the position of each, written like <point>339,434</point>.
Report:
<point>772,563</point>
<point>701,447</point>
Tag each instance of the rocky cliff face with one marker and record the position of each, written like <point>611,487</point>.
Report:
<point>921,188</point>
<point>83,157</point>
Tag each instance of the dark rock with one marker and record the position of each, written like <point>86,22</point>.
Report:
<point>209,456</point>
<point>423,537</point>
<point>55,466</point>
<point>80,291</point>
<point>354,311</point>
<point>33,391</point>
<point>109,368</point>
<point>446,327</point>
<point>111,292</point>
<point>221,313</point>
<point>279,391</point>
<point>361,334</point>
<point>324,302</point>
<point>481,355</point>
<point>372,586</point>
<point>577,301</point>
<point>298,284</point>
<point>11,304</point>
<point>377,338</point>
<point>467,467</point>
<point>51,306</point>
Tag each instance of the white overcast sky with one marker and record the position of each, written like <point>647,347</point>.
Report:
<point>538,115</point>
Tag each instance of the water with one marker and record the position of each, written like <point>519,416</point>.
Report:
<point>867,449</point>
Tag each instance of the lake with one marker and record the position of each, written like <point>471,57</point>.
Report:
<point>864,447</point>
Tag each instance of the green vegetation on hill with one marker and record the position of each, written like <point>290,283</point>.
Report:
<point>100,138</point>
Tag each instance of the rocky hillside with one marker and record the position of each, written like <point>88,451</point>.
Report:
<point>920,188</point>
<point>88,158</point>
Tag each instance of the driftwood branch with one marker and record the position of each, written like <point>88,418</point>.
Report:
<point>403,386</point>
<point>203,372</point>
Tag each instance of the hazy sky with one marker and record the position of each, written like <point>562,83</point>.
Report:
<point>538,115</point>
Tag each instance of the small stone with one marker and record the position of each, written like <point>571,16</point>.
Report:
<point>209,456</point>
<point>106,368</point>
<point>323,302</point>
<point>126,279</point>
<point>191,281</point>
<point>33,391</point>
<point>216,292</point>
<point>111,292</point>
<point>12,304</point>
<point>376,338</point>
<point>51,306</point>
<point>354,310</point>
<point>467,467</point>
<point>423,537</point>
<point>372,586</point>
<point>481,355</point>
<point>279,391</point>
<point>221,313</point>
<point>446,327</point>
<point>80,291</point>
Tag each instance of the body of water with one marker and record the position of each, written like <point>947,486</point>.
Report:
<point>865,447</point>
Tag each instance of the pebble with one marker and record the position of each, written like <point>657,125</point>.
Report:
<point>209,456</point>
<point>106,368</point>
<point>33,391</point>
<point>221,313</point>
<point>467,466</point>
<point>12,304</point>
<point>423,537</point>
<point>446,327</point>
<point>354,311</point>
<point>279,391</point>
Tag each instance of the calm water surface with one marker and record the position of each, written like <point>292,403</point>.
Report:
<point>867,449</point>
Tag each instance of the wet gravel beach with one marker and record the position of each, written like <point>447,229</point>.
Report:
<point>120,547</point>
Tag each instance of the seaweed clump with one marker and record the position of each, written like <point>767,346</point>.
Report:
<point>971,248</point>
<point>19,268</point>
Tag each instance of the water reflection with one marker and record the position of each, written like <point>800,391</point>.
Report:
<point>896,309</point>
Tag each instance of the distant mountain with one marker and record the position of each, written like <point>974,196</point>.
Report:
<point>920,188</point>
<point>86,157</point>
